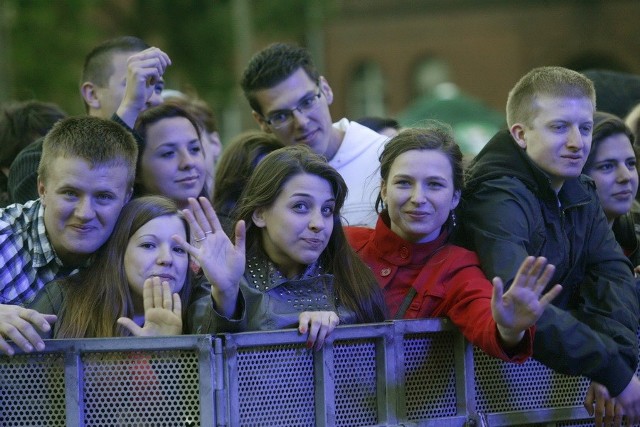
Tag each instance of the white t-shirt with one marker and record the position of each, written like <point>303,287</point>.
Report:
<point>357,160</point>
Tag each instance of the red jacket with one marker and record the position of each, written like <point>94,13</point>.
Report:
<point>455,286</point>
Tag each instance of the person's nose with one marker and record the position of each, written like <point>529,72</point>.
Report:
<point>187,160</point>
<point>316,222</point>
<point>300,119</point>
<point>418,195</point>
<point>154,99</point>
<point>575,140</point>
<point>164,255</point>
<point>85,209</point>
<point>623,174</point>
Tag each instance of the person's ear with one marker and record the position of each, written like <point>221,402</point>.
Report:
<point>383,191</point>
<point>41,190</point>
<point>89,93</point>
<point>455,200</point>
<point>258,218</point>
<point>264,126</point>
<point>127,196</point>
<point>326,90</point>
<point>518,134</point>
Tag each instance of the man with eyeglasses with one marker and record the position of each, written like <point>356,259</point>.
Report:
<point>291,99</point>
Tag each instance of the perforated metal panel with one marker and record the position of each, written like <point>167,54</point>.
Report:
<point>355,383</point>
<point>154,388</point>
<point>585,423</point>
<point>430,376</point>
<point>32,390</point>
<point>504,387</point>
<point>276,386</point>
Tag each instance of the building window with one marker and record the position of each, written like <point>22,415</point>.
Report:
<point>429,73</point>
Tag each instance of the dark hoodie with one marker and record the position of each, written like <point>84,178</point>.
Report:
<point>509,211</point>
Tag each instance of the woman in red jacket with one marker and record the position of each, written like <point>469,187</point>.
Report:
<point>421,273</point>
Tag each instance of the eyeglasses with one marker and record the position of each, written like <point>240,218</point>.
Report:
<point>284,118</point>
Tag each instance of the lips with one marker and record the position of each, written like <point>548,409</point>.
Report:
<point>417,214</point>
<point>165,277</point>
<point>82,228</point>
<point>307,136</point>
<point>314,243</point>
<point>625,194</point>
<point>189,179</point>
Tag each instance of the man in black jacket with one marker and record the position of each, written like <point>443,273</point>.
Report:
<point>525,196</point>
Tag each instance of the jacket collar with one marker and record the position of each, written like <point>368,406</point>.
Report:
<point>398,251</point>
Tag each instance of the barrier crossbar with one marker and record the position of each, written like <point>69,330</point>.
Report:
<point>397,373</point>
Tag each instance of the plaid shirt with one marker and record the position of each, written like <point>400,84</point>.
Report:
<point>27,259</point>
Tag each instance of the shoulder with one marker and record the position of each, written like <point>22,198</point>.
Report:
<point>26,162</point>
<point>358,236</point>
<point>360,136</point>
<point>505,184</point>
<point>457,256</point>
<point>17,218</point>
<point>23,173</point>
<point>501,194</point>
<point>31,150</point>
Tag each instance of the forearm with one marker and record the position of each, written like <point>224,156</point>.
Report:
<point>205,319</point>
<point>571,347</point>
<point>225,301</point>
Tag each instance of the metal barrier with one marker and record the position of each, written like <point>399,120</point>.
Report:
<point>401,373</point>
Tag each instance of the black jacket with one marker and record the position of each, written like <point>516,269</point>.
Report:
<point>510,211</point>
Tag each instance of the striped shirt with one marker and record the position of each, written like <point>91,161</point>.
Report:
<point>27,259</point>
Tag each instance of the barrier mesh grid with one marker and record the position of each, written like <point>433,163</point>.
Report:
<point>505,387</point>
<point>276,386</point>
<point>32,390</point>
<point>355,383</point>
<point>430,376</point>
<point>154,388</point>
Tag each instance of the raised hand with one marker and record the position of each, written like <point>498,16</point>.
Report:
<point>222,262</point>
<point>521,306</point>
<point>20,325</point>
<point>143,84</point>
<point>162,311</point>
<point>319,324</point>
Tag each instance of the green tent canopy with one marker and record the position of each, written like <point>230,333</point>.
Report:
<point>473,122</point>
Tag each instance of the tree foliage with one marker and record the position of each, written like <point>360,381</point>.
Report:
<point>48,41</point>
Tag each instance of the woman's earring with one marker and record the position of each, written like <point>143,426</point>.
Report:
<point>453,218</point>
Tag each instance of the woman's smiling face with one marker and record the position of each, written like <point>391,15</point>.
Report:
<point>419,194</point>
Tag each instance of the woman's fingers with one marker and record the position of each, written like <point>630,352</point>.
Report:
<point>131,326</point>
<point>210,215</point>
<point>241,234</point>
<point>319,325</point>
<point>177,305</point>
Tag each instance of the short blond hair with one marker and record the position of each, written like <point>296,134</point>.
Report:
<point>98,141</point>
<point>551,81</point>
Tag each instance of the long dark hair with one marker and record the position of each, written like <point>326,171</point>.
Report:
<point>355,284</point>
<point>97,296</point>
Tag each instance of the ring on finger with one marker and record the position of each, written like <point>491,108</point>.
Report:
<point>208,232</point>
<point>201,239</point>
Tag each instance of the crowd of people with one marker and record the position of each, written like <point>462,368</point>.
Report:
<point>133,220</point>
